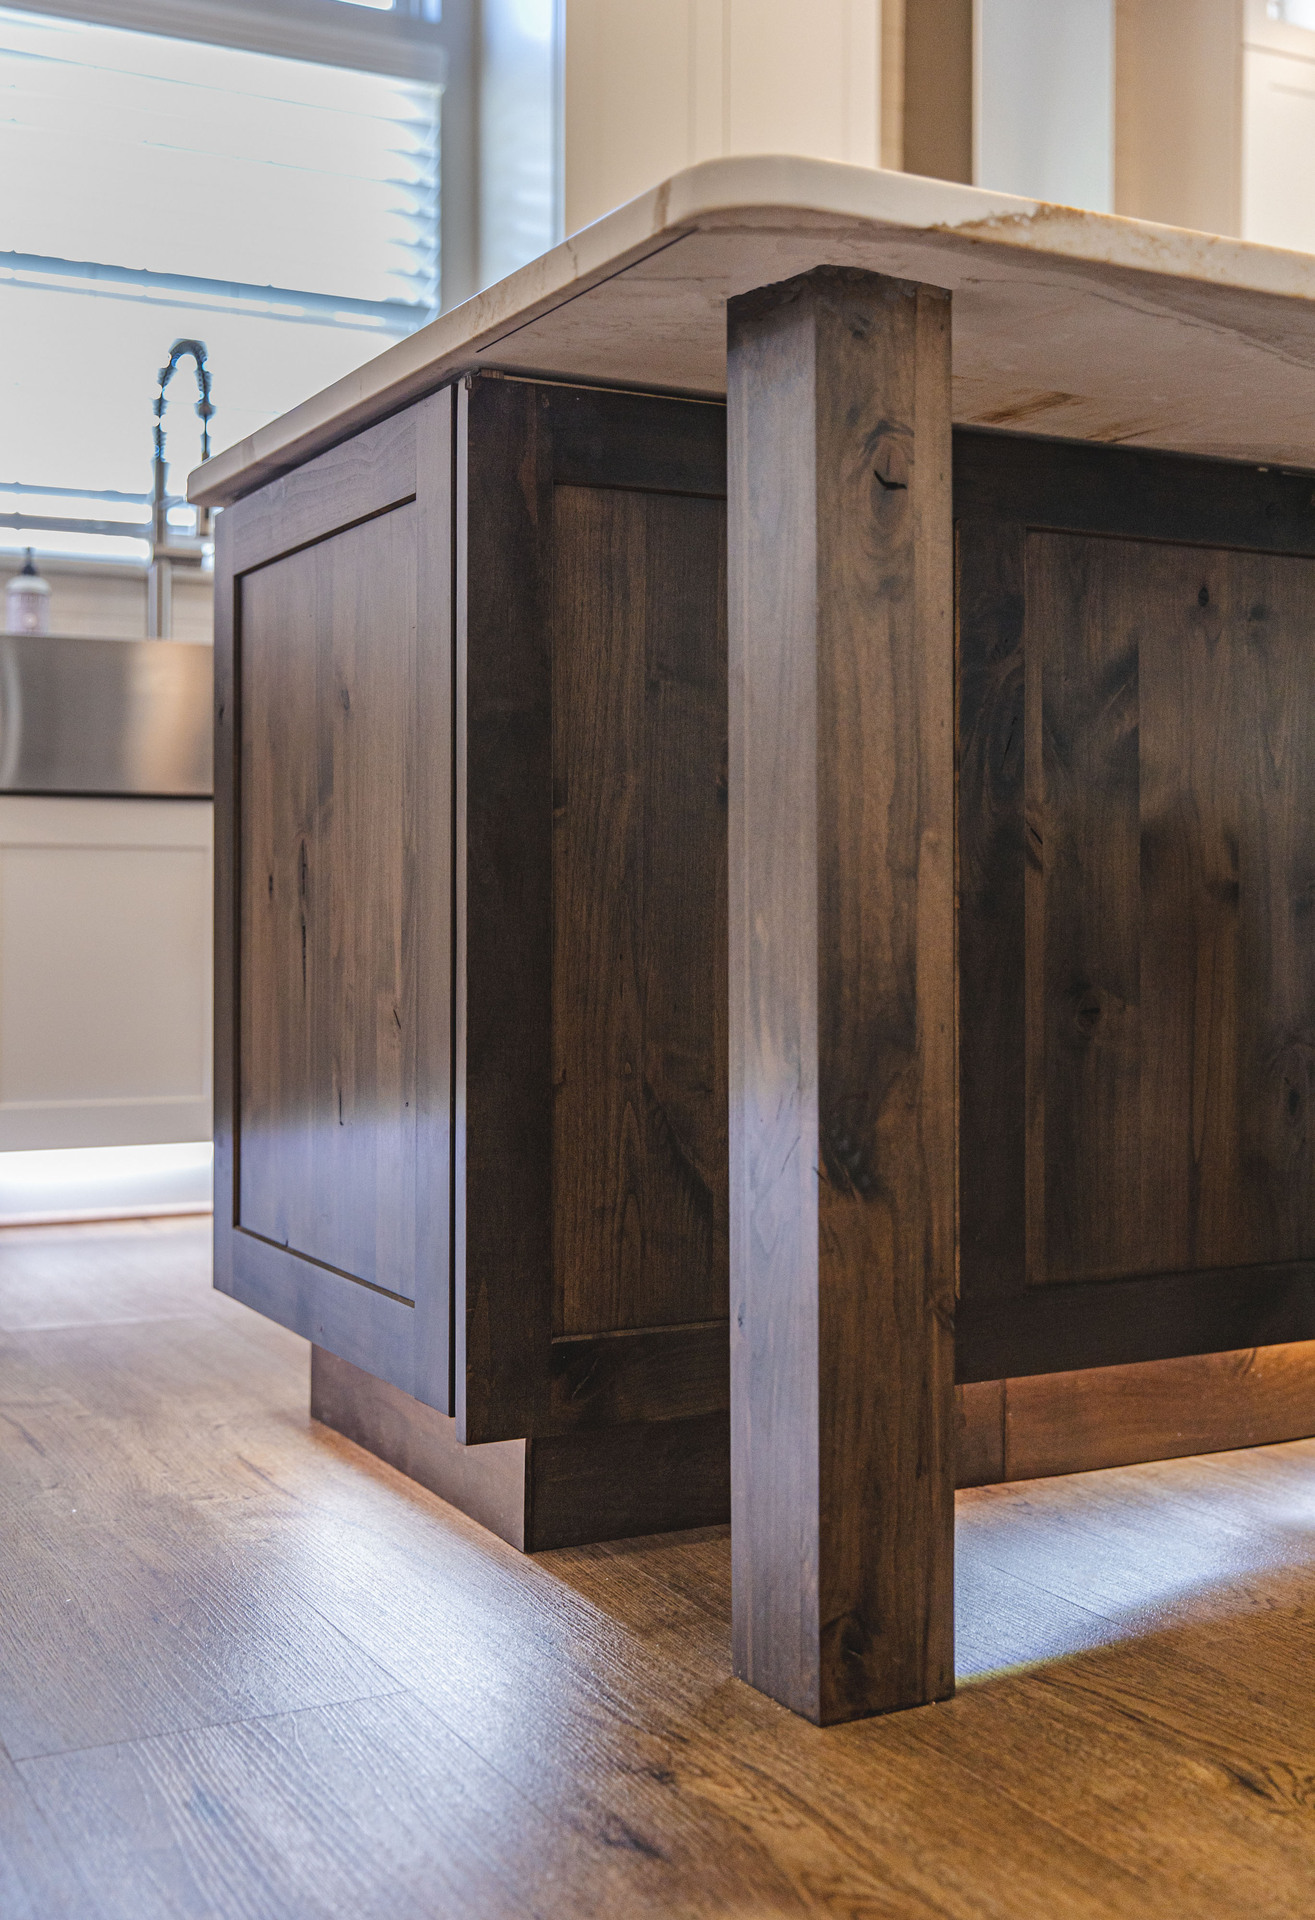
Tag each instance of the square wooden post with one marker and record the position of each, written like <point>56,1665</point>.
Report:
<point>842,992</point>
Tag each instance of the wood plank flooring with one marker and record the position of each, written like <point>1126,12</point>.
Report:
<point>249,1673</point>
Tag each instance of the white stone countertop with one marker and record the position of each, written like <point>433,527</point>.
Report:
<point>1080,325</point>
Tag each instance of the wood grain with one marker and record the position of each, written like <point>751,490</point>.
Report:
<point>141,1263</point>
<point>659,1373</point>
<point>161,1617</point>
<point>227,774</point>
<point>603,1482</point>
<point>488,1483</point>
<point>503,1279</point>
<point>368,474</point>
<point>1108,1323</point>
<point>273,1780</point>
<point>1179,988</point>
<point>642,442</point>
<point>329,1016</point>
<point>1153,610</point>
<point>842,992</point>
<point>1004,1430</point>
<point>993,862</point>
<point>1158,1410</point>
<point>36,1880</point>
<point>549,1119</point>
<point>639,888</point>
<point>333,901</point>
<point>979,1452</point>
<point>591,1014</point>
<point>1083,920</point>
<point>611,1483</point>
<point>1083,487</point>
<point>560,1734</point>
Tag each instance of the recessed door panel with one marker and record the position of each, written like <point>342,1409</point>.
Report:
<point>328,1114</point>
<point>639,921</point>
<point>334,811</point>
<point>1170,908</point>
<point>590,1271</point>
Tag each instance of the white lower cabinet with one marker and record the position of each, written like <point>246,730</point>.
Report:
<point>105,971</point>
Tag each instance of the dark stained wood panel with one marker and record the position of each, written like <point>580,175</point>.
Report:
<point>1096,1417</point>
<point>1082,487</point>
<point>639,440</point>
<point>1169,1219</point>
<point>629,1476</point>
<point>979,1454</point>
<point>843,1085</point>
<point>1172,786</point>
<point>374,470</point>
<point>590,1233</point>
<point>992,853</point>
<point>503,1279</point>
<point>658,1373</point>
<point>1228,898</point>
<point>329,1006</point>
<point>333,900</point>
<point>639,916</point>
<point>1083,918</point>
<point>1157,1410</point>
<point>1156,1316</point>
<point>615,1482</point>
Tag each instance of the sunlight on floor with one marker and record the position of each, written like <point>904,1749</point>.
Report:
<point>104,1183</point>
<point>1041,1576</point>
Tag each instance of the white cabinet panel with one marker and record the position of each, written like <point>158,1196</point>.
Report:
<point>1044,110</point>
<point>1278,161</point>
<point>105,965</point>
<point>651,89</point>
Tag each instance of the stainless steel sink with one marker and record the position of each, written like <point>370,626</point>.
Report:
<point>81,716</point>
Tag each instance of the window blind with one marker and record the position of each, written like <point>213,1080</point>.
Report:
<point>284,211</point>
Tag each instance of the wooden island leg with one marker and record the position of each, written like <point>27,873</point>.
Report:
<point>842,992</point>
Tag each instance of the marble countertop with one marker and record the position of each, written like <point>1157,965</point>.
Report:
<point>1080,325</point>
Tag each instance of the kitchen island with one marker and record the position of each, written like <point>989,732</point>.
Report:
<point>894,600</point>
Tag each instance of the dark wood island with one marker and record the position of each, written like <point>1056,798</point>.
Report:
<point>765,807</point>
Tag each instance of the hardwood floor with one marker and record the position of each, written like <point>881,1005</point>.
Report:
<point>249,1673</point>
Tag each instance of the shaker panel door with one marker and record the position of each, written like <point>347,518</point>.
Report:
<point>1174,781</point>
<point>1136,852</point>
<point>591,1271</point>
<point>336,1205</point>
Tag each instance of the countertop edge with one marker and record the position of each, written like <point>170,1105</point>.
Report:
<point>743,191</point>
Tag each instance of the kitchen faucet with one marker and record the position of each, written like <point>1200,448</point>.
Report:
<point>170,549</point>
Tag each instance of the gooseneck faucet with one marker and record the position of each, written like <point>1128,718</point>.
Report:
<point>170,549</point>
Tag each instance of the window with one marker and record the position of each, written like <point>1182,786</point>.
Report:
<point>284,210</point>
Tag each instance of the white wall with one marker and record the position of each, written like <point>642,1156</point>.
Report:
<point>1044,100</point>
<point>655,85</point>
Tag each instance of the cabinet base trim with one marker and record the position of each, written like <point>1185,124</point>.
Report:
<point>1031,1428</point>
<point>655,1478</point>
<point>603,1484</point>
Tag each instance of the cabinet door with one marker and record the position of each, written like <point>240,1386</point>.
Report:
<point>334,801</point>
<point>1136,847</point>
<point>591,1199</point>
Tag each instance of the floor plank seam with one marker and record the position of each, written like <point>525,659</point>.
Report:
<point>207,1726</point>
